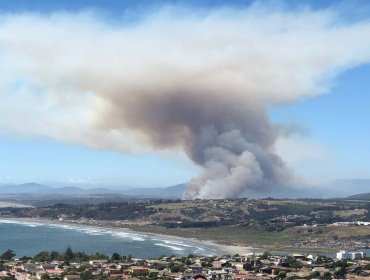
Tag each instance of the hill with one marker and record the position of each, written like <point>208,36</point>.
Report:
<point>25,188</point>
<point>173,192</point>
<point>361,196</point>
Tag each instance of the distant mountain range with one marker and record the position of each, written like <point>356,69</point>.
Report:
<point>175,191</point>
<point>35,188</point>
<point>336,189</point>
<point>340,188</point>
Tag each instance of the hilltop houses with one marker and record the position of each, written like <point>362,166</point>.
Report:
<point>244,267</point>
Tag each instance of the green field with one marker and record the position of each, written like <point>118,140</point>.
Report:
<point>233,235</point>
<point>227,235</point>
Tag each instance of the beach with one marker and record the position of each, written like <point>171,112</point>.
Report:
<point>169,241</point>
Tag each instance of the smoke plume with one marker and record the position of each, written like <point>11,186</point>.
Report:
<point>196,82</point>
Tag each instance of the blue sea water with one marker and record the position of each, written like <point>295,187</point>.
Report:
<point>28,238</point>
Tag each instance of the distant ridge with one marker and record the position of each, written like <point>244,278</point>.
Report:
<point>173,192</point>
<point>339,189</point>
<point>24,188</point>
<point>361,196</point>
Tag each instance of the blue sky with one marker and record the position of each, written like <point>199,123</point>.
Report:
<point>339,120</point>
<point>337,123</point>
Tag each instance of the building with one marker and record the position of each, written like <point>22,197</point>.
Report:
<point>138,271</point>
<point>71,277</point>
<point>342,255</point>
<point>357,255</point>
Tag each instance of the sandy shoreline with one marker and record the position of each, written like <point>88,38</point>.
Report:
<point>220,249</point>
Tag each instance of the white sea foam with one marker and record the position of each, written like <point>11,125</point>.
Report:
<point>175,248</point>
<point>138,239</point>
<point>179,243</point>
<point>23,223</point>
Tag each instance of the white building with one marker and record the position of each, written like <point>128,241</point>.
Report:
<point>342,255</point>
<point>357,255</point>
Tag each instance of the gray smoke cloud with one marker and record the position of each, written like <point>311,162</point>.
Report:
<point>231,138</point>
<point>198,83</point>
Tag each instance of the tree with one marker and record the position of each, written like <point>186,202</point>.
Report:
<point>296,265</point>
<point>2,266</point>
<point>54,255</point>
<point>327,275</point>
<point>175,268</point>
<point>265,255</point>
<point>68,254</point>
<point>86,275</point>
<point>322,259</point>
<point>45,276</point>
<point>116,257</point>
<point>340,273</point>
<point>281,275</point>
<point>81,256</point>
<point>99,256</point>
<point>25,258</point>
<point>42,256</point>
<point>7,255</point>
<point>315,274</point>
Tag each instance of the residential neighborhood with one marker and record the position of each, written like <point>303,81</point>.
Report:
<point>238,267</point>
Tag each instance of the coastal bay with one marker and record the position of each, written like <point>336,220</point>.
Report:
<point>29,236</point>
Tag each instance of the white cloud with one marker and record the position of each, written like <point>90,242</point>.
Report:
<point>58,70</point>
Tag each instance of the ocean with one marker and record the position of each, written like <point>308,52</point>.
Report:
<point>28,238</point>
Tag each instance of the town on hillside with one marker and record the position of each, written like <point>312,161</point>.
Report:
<point>80,266</point>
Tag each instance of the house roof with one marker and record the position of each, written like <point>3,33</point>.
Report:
<point>72,276</point>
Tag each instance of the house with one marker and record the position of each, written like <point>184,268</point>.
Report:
<point>298,256</point>
<point>119,276</point>
<point>71,277</point>
<point>199,277</point>
<point>3,275</point>
<point>32,269</point>
<point>247,277</point>
<point>98,262</point>
<point>302,274</point>
<point>218,274</point>
<point>193,276</point>
<point>138,271</point>
<point>196,268</point>
<point>217,264</point>
<point>54,272</point>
